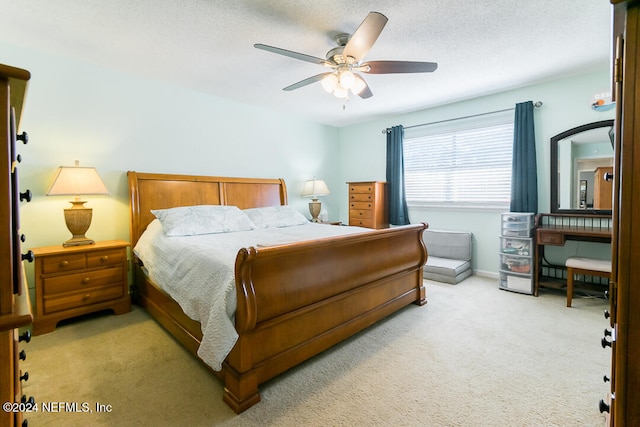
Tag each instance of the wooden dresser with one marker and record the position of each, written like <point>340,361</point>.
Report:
<point>602,188</point>
<point>622,336</point>
<point>76,280</point>
<point>15,307</point>
<point>368,205</point>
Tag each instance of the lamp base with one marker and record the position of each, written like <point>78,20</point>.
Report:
<point>78,241</point>
<point>78,220</point>
<point>314,209</point>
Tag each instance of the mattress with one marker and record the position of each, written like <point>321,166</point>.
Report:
<point>198,272</point>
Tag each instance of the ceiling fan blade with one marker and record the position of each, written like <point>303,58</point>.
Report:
<point>306,82</point>
<point>365,36</point>
<point>392,67</point>
<point>291,54</point>
<point>365,92</point>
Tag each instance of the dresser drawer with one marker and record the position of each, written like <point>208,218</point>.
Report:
<point>83,280</point>
<point>549,238</point>
<point>361,188</point>
<point>361,197</point>
<point>355,214</point>
<point>81,299</point>
<point>362,222</point>
<point>107,257</point>
<point>361,205</point>
<point>61,263</point>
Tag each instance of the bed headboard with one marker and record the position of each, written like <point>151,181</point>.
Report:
<point>161,191</point>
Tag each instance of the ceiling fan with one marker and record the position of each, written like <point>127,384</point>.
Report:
<point>345,60</point>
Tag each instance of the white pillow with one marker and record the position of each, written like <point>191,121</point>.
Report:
<point>275,216</point>
<point>202,219</point>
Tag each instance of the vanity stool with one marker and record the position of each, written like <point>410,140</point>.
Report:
<point>589,266</point>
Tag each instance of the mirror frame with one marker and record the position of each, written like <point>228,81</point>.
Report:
<point>554,168</point>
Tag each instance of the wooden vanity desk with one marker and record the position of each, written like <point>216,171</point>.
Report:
<point>556,229</point>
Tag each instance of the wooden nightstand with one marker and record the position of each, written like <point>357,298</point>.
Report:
<point>78,280</point>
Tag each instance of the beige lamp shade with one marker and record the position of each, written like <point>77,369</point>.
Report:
<point>315,188</point>
<point>77,181</point>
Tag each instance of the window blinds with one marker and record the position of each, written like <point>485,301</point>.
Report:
<point>468,166</point>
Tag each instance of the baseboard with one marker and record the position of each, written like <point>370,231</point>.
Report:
<point>487,274</point>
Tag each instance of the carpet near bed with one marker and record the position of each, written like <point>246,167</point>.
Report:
<point>474,356</point>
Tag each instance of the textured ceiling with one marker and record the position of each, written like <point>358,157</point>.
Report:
<point>481,47</point>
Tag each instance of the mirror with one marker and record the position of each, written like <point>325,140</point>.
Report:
<point>580,158</point>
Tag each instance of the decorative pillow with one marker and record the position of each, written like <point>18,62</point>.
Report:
<point>275,216</point>
<point>202,219</point>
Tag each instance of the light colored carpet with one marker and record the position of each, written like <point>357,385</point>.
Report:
<point>473,356</point>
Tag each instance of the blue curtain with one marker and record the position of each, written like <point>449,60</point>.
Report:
<point>524,178</point>
<point>398,212</point>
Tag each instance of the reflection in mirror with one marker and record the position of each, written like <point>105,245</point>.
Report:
<point>581,158</point>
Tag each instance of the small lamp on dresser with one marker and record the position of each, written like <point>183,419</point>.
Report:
<point>77,181</point>
<point>315,188</point>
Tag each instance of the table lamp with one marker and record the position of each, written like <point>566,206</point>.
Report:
<point>315,188</point>
<point>77,181</point>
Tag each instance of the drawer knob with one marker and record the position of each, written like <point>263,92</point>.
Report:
<point>86,280</point>
<point>24,377</point>
<point>25,336</point>
<point>64,263</point>
<point>27,195</point>
<point>603,406</point>
<point>86,297</point>
<point>606,379</point>
<point>24,137</point>
<point>104,258</point>
<point>31,401</point>
<point>22,355</point>
<point>607,314</point>
<point>605,342</point>
<point>28,256</point>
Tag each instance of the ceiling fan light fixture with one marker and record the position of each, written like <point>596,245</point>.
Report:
<point>358,85</point>
<point>347,79</point>
<point>340,92</point>
<point>329,82</point>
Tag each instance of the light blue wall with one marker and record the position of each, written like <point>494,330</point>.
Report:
<point>567,103</point>
<point>118,122</point>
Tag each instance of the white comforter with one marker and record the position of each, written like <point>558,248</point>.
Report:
<point>198,272</point>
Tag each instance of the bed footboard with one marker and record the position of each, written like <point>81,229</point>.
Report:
<point>294,301</point>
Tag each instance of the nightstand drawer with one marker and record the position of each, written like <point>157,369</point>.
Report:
<point>84,280</point>
<point>61,263</point>
<point>98,259</point>
<point>81,299</point>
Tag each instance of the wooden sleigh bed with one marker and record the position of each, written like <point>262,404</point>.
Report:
<point>293,300</point>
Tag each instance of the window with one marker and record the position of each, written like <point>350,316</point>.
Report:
<point>464,163</point>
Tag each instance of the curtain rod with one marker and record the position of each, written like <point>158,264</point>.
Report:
<point>536,104</point>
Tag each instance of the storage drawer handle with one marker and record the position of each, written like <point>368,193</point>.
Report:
<point>104,258</point>
<point>86,297</point>
<point>64,263</point>
<point>86,280</point>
